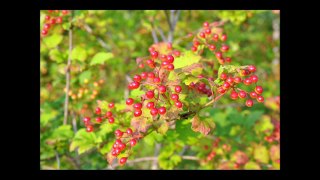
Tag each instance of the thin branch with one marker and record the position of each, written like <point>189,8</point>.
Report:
<point>154,36</point>
<point>101,42</point>
<point>58,158</point>
<point>75,129</point>
<point>162,34</point>
<point>66,102</point>
<point>156,153</point>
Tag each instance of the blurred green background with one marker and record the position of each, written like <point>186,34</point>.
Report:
<point>243,139</point>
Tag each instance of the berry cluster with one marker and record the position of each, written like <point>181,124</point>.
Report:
<point>82,91</point>
<point>98,120</point>
<point>201,88</point>
<point>55,17</point>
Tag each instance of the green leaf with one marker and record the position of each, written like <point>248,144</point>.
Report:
<point>163,128</point>
<point>186,59</point>
<point>84,141</point>
<point>63,132</point>
<point>252,166</point>
<point>53,40</point>
<point>203,126</point>
<point>190,79</point>
<point>261,154</point>
<point>264,125</point>
<point>84,75</point>
<point>136,93</point>
<point>56,55</point>
<point>100,58</point>
<point>79,53</point>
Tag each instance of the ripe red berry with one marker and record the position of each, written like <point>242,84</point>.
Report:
<point>169,46</point>
<point>86,120</point>
<point>137,112</point>
<point>212,47</point>
<point>237,80</point>
<point>117,151</point>
<point>98,119</point>
<point>196,43</point>
<point>46,27</point>
<point>133,142</point>
<point>223,76</point>
<point>162,89</point>
<point>253,95</point>
<point>224,37</point>
<point>221,90</point>
<point>178,104</point>
<point>111,105</point>
<point>224,48</point>
<point>59,20</point>
<point>129,101</point>
<point>109,114</point>
<point>123,160</point>
<point>151,49</point>
<point>118,134</point>
<point>176,53</point>
<point>137,78</point>
<point>151,75</point>
<point>52,21</point>
<point>154,54</point>
<point>135,85</point>
<point>129,131</point>
<point>165,63</point>
<point>89,128</point>
<point>137,105</point>
<point>218,55</point>
<point>234,95</point>
<point>215,37</point>
<point>242,94</point>
<point>230,80</point>
<point>202,34</point>
<point>252,68</point>
<point>50,11</point>
<point>98,110</point>
<point>193,48</point>
<point>122,146</point>
<point>65,12</point>
<point>177,89</point>
<point>249,103</point>
<point>141,65</point>
<point>174,97</point>
<point>118,141</point>
<point>47,17</point>
<point>170,58</point>
<point>144,75</point>
<point>44,32</point>
<point>150,94</point>
<point>254,78</point>
<point>228,59</point>
<point>154,111</point>
<point>163,57</point>
<point>205,24</point>
<point>162,110</point>
<point>258,89</point>
<point>150,105</point>
<point>156,80</point>
<point>226,85</point>
<point>111,120</point>
<point>244,72</point>
<point>207,31</point>
<point>247,81</point>
<point>170,67</point>
<point>260,98</point>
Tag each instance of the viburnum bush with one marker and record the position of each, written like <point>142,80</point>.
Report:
<point>173,85</point>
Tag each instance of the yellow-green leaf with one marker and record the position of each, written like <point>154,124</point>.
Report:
<point>186,59</point>
<point>79,53</point>
<point>53,40</point>
<point>101,58</point>
<point>261,154</point>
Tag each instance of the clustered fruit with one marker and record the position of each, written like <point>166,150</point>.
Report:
<point>53,18</point>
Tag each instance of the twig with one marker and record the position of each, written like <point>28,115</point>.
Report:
<point>58,159</point>
<point>75,129</point>
<point>154,36</point>
<point>162,35</point>
<point>101,42</point>
<point>172,21</point>
<point>156,153</point>
<point>66,102</point>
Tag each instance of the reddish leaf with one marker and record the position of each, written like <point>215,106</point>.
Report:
<point>202,126</point>
<point>240,157</point>
<point>140,124</point>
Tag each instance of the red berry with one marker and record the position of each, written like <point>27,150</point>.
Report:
<point>150,105</point>
<point>234,95</point>
<point>47,17</point>
<point>260,98</point>
<point>178,89</point>
<point>224,37</point>
<point>228,59</point>
<point>176,53</point>
<point>151,75</point>
<point>154,54</point>
<point>98,110</point>
<point>174,97</point>
<point>154,111</point>
<point>109,114</point>
<point>133,142</point>
<point>44,32</point>
<point>137,78</point>
<point>242,94</point>
<point>196,43</point>
<point>212,47</point>
<point>258,89</point>
<point>135,85</point>
<point>170,58</point>
<point>89,128</point>
<point>205,24</point>
<point>224,48</point>
<point>193,48</point>
<point>230,80</point>
<point>53,21</point>
<point>252,68</point>
<point>223,76</point>
<point>137,112</point>
<point>118,141</point>
<point>226,85</point>
<point>247,81</point>
<point>249,103</point>
<point>169,46</point>
<point>178,104</point>
<point>150,94</point>
<point>98,119</point>
<point>141,65</point>
<point>111,120</point>
<point>118,134</point>
<point>163,57</point>
<point>129,101</point>
<point>144,75</point>
<point>137,105</point>
<point>46,27</point>
<point>207,31</point>
<point>151,49</point>
<point>122,146</point>
<point>162,110</point>
<point>111,105</point>
<point>170,67</point>
<point>65,12</point>
<point>254,78</point>
<point>117,151</point>
<point>162,89</point>
<point>165,63</point>
<point>253,95</point>
<point>59,20</point>
<point>50,11</point>
<point>86,120</point>
<point>221,90</point>
<point>218,55</point>
<point>215,37</point>
<point>129,131</point>
<point>244,72</point>
<point>237,80</point>
<point>202,35</point>
<point>156,80</point>
<point>123,160</point>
